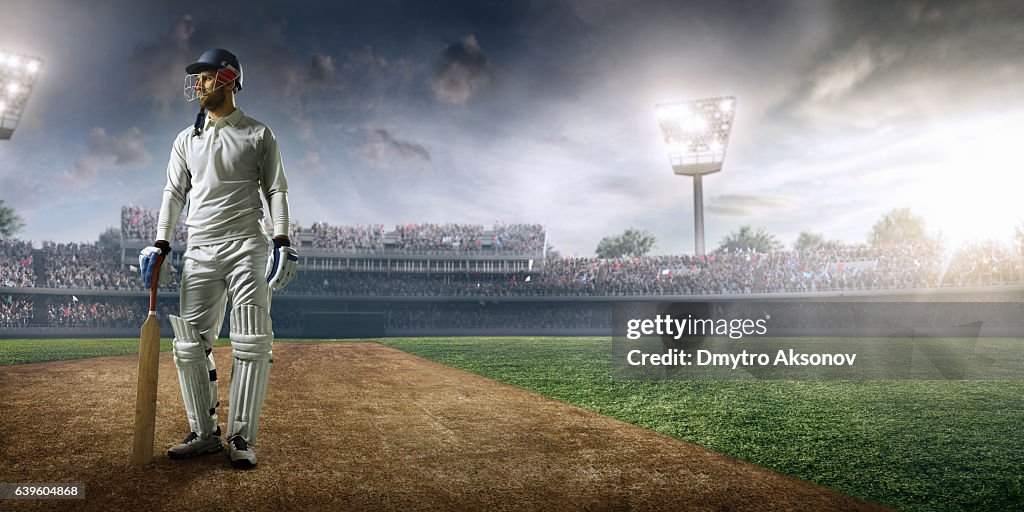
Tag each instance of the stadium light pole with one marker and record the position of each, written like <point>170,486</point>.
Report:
<point>18,73</point>
<point>696,134</point>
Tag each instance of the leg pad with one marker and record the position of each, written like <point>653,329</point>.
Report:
<point>251,340</point>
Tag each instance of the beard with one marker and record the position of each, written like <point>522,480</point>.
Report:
<point>215,99</point>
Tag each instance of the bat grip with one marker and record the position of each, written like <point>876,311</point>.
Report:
<point>155,282</point>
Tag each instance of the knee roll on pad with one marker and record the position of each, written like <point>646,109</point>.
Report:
<point>251,333</point>
<point>188,342</point>
<point>192,361</point>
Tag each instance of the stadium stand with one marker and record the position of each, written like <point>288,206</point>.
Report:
<point>17,265</point>
<point>466,276</point>
<point>16,312</point>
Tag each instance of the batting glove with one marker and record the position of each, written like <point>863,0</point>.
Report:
<point>282,265</point>
<point>147,259</point>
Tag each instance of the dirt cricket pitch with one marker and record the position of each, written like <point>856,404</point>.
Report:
<point>360,426</point>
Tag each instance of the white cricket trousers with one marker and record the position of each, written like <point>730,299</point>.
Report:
<point>213,274</point>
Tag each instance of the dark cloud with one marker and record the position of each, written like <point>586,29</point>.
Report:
<point>462,69</point>
<point>838,76</point>
<point>182,32</point>
<point>381,149</point>
<point>348,87</point>
<point>365,78</point>
<point>106,152</point>
<point>159,63</point>
<point>889,61</point>
<point>321,69</point>
<point>158,66</point>
<point>307,86</point>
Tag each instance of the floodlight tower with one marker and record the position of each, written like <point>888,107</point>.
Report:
<point>18,75</point>
<point>696,133</point>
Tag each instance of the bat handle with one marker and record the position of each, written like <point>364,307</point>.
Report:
<point>155,282</point>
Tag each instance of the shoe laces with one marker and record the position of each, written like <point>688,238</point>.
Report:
<point>239,443</point>
<point>192,436</point>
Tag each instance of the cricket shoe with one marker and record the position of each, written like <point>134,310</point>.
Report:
<point>194,446</point>
<point>241,454</point>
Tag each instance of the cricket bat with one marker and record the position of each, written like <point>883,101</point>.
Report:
<point>149,366</point>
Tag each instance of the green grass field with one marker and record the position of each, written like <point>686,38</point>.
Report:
<point>40,350</point>
<point>913,445</point>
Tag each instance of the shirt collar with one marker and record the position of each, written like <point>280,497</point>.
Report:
<point>233,119</point>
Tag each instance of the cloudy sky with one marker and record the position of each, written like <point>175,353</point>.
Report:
<point>540,111</point>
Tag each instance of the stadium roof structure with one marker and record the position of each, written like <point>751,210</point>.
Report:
<point>696,133</point>
<point>18,73</point>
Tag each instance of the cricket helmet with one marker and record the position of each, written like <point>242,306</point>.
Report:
<point>216,59</point>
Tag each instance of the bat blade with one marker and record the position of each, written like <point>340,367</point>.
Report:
<point>145,397</point>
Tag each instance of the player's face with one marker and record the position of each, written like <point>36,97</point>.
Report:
<point>211,97</point>
<point>206,82</point>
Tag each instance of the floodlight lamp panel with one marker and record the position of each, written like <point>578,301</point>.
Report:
<point>18,75</point>
<point>696,133</point>
<point>696,124</point>
<point>672,113</point>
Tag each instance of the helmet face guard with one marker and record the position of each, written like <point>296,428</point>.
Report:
<point>196,83</point>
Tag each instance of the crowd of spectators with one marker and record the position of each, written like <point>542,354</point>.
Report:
<point>439,237</point>
<point>741,272</point>
<point>70,311</point>
<point>88,266</point>
<point>518,238</point>
<point>138,223</point>
<point>984,263</point>
<point>654,275</point>
<point>15,312</point>
<point>16,264</point>
<point>858,267</point>
<point>113,312</point>
<point>326,236</point>
<point>368,284</point>
<point>468,238</point>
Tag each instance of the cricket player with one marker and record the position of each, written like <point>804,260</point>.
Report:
<point>223,164</point>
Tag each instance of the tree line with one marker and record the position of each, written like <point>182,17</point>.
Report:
<point>896,227</point>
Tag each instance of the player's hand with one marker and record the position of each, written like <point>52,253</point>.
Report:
<point>282,265</point>
<point>147,259</point>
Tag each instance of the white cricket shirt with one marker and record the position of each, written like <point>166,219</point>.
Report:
<point>223,171</point>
